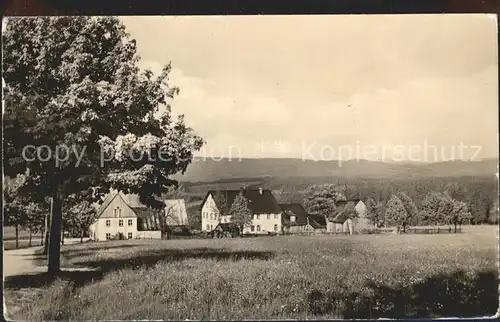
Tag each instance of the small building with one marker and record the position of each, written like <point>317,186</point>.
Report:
<point>266,213</point>
<point>318,222</point>
<point>339,223</point>
<point>295,218</point>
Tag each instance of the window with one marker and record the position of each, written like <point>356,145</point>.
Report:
<point>275,227</point>
<point>275,216</point>
<point>211,227</point>
<point>211,216</point>
<point>129,235</point>
<point>258,216</point>
<point>258,228</point>
<point>120,222</point>
<point>108,236</point>
<point>292,218</point>
<point>252,228</point>
<point>268,216</point>
<point>225,219</point>
<point>208,227</point>
<point>129,222</point>
<point>108,223</point>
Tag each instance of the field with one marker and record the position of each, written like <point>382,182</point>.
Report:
<point>293,277</point>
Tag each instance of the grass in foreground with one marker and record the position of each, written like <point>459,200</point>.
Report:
<point>276,277</point>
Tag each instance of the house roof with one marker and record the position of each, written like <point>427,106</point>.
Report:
<point>258,203</point>
<point>142,212</point>
<point>140,209</point>
<point>339,216</point>
<point>295,209</point>
<point>109,198</point>
<point>317,221</point>
<point>175,212</point>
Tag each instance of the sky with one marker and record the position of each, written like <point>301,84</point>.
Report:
<point>289,86</point>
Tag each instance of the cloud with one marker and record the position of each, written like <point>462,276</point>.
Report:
<point>340,80</point>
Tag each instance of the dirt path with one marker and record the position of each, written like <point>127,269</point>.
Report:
<point>20,261</point>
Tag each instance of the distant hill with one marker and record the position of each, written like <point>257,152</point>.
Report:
<point>202,170</point>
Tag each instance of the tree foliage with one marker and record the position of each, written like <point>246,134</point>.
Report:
<point>73,84</point>
<point>349,211</point>
<point>222,207</point>
<point>241,215</point>
<point>395,214</point>
<point>321,198</point>
<point>410,209</point>
<point>79,215</point>
<point>373,212</point>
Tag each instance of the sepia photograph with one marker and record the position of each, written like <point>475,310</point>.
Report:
<point>250,167</point>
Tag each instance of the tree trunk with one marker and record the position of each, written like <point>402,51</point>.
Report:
<point>55,236</point>
<point>62,234</point>
<point>47,230</point>
<point>17,236</point>
<point>31,236</point>
<point>455,228</point>
<point>81,236</point>
<point>41,237</point>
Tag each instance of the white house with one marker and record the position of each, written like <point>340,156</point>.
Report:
<point>114,216</point>
<point>266,213</point>
<point>125,214</point>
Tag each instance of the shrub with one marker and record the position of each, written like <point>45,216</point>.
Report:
<point>119,236</point>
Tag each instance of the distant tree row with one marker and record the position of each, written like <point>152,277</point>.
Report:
<point>436,208</point>
<point>479,194</point>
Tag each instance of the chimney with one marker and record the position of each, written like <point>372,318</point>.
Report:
<point>260,190</point>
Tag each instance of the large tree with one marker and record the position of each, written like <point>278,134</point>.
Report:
<point>373,212</point>
<point>410,209</point>
<point>395,213</point>
<point>221,206</point>
<point>322,198</point>
<point>81,117</point>
<point>241,215</point>
<point>80,215</point>
<point>431,211</point>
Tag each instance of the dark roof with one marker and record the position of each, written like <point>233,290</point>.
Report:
<point>317,221</point>
<point>143,212</point>
<point>297,210</point>
<point>264,203</point>
<point>339,217</point>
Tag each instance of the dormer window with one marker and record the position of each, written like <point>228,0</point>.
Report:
<point>292,218</point>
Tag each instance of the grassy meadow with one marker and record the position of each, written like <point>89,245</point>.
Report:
<point>294,277</point>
